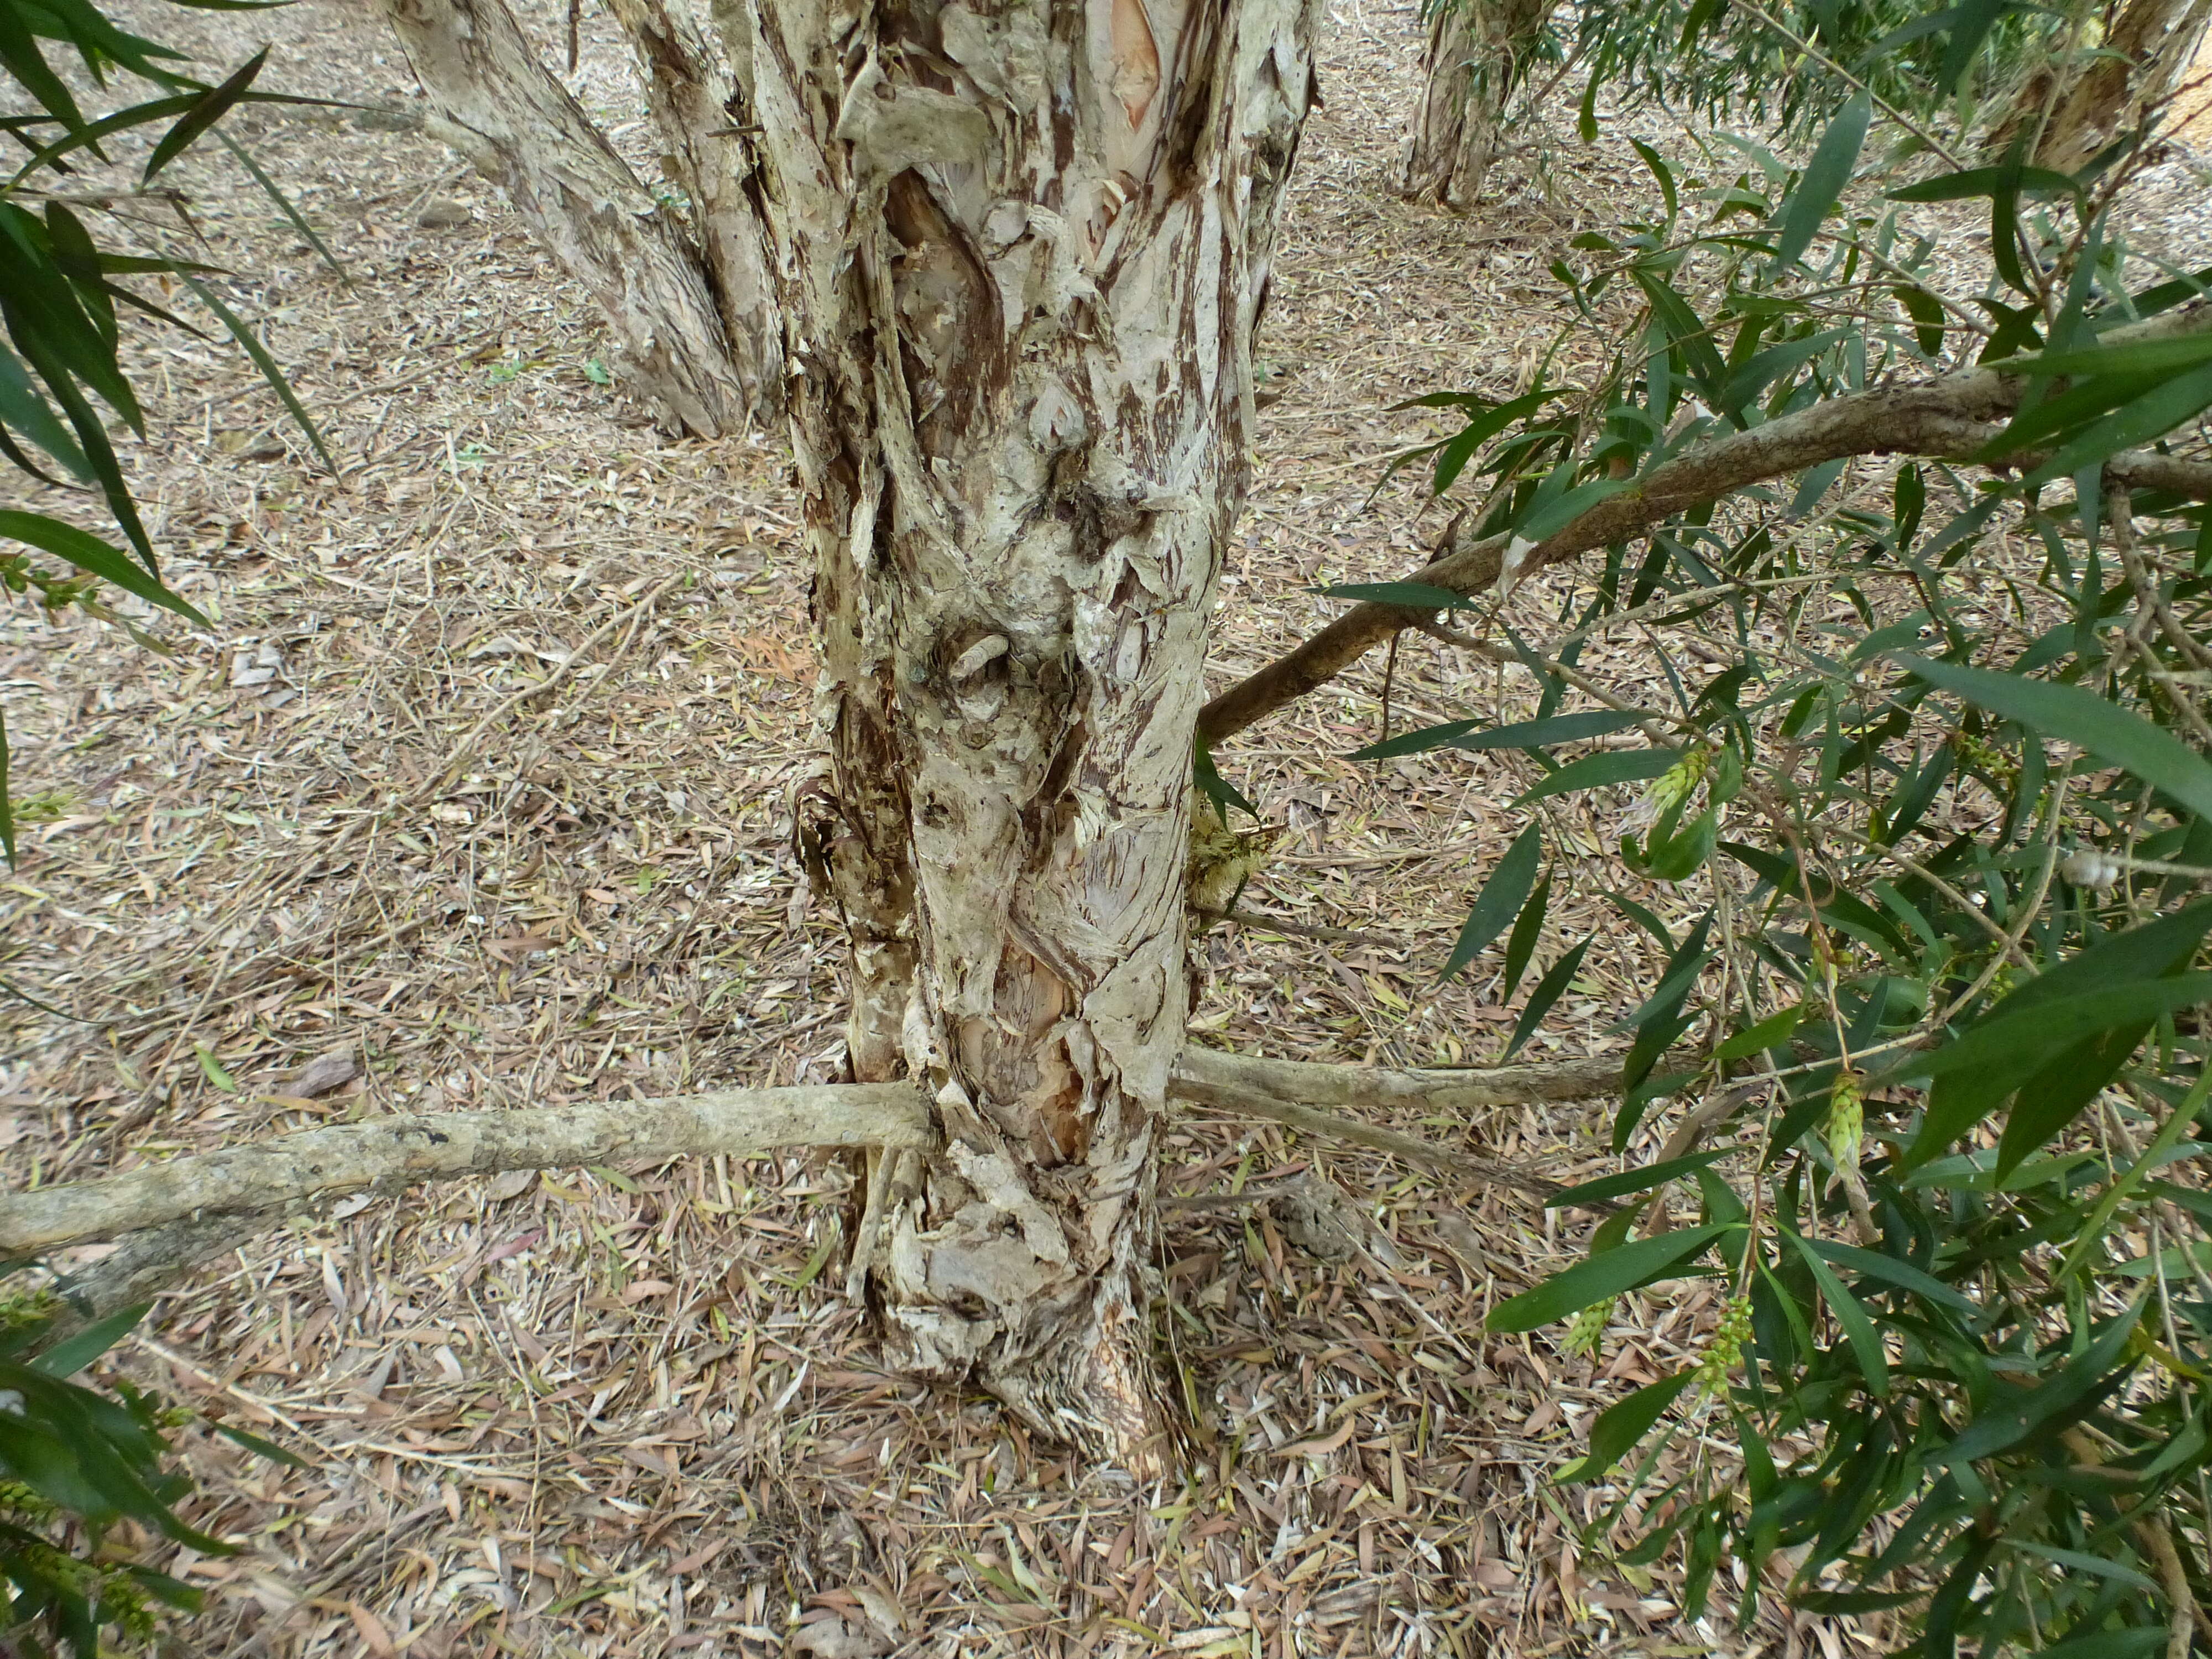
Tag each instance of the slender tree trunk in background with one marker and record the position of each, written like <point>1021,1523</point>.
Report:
<point>2144,49</point>
<point>1021,248</point>
<point>1478,51</point>
<point>697,102</point>
<point>497,103</point>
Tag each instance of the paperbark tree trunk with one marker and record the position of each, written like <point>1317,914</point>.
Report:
<point>2144,48</point>
<point>1478,51</point>
<point>1021,248</point>
<point>496,102</point>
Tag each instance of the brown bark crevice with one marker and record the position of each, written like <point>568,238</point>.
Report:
<point>497,103</point>
<point>1949,417</point>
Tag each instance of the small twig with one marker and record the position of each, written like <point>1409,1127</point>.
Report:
<point>1260,922</point>
<point>458,756</point>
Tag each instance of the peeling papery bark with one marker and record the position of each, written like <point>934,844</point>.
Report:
<point>500,106</point>
<point>1021,250</point>
<point>1476,55</point>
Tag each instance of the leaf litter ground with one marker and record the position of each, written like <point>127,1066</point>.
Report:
<point>475,798</point>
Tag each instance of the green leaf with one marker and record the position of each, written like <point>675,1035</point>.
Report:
<point>297,220</point>
<point>90,554</point>
<point>1642,1178</point>
<point>1927,316</point>
<point>1597,771</point>
<point>67,1358</point>
<point>1501,898</point>
<point>253,347</point>
<point>1621,1425</point>
<point>1562,512</point>
<point>1416,743</point>
<point>1599,1277</point>
<point>2116,736</point>
<point>1549,989</point>
<point>1521,734</point>
<point>1770,1032</point>
<point>1874,1264</point>
<point>2017,1415</point>
<point>1453,455</point>
<point>1206,779</point>
<point>1826,175</point>
<point>213,1068</point>
<point>22,408</point>
<point>2014,1046</point>
<point>2061,1090</point>
<point>1991,181</point>
<point>1851,1315</point>
<point>1409,595</point>
<point>1528,928</point>
<point>254,1442</point>
<point>1973,21</point>
<point>2142,420</point>
<point>203,115</point>
<point>1776,362</point>
<point>2084,1563</point>
<point>1683,330</point>
<point>2129,357</point>
<point>2131,1642</point>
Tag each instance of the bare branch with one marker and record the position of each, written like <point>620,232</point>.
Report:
<point>1296,1092</point>
<point>1950,417</point>
<point>404,1151</point>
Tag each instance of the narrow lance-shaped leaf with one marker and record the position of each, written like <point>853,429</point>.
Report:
<point>1520,945</point>
<point>203,115</point>
<point>1851,1315</point>
<point>1611,767</point>
<point>2118,736</point>
<point>1549,989</point>
<point>2142,419</point>
<point>1500,900</point>
<point>253,347</point>
<point>1620,1425</point>
<point>90,554</point>
<point>1826,175</point>
<point>1603,1276</point>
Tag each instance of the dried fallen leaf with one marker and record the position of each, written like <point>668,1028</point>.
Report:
<point>323,1073</point>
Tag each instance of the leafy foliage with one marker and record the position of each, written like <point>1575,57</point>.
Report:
<point>1935,799</point>
<point>62,304</point>
<point>75,1464</point>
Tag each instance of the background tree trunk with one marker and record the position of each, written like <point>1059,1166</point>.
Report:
<point>2071,112</point>
<point>1021,250</point>
<point>1477,53</point>
<point>497,103</point>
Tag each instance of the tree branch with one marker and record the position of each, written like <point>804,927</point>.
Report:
<point>181,1211</point>
<point>402,1151</point>
<point>502,108</point>
<point>1295,1092</point>
<point>1949,417</point>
